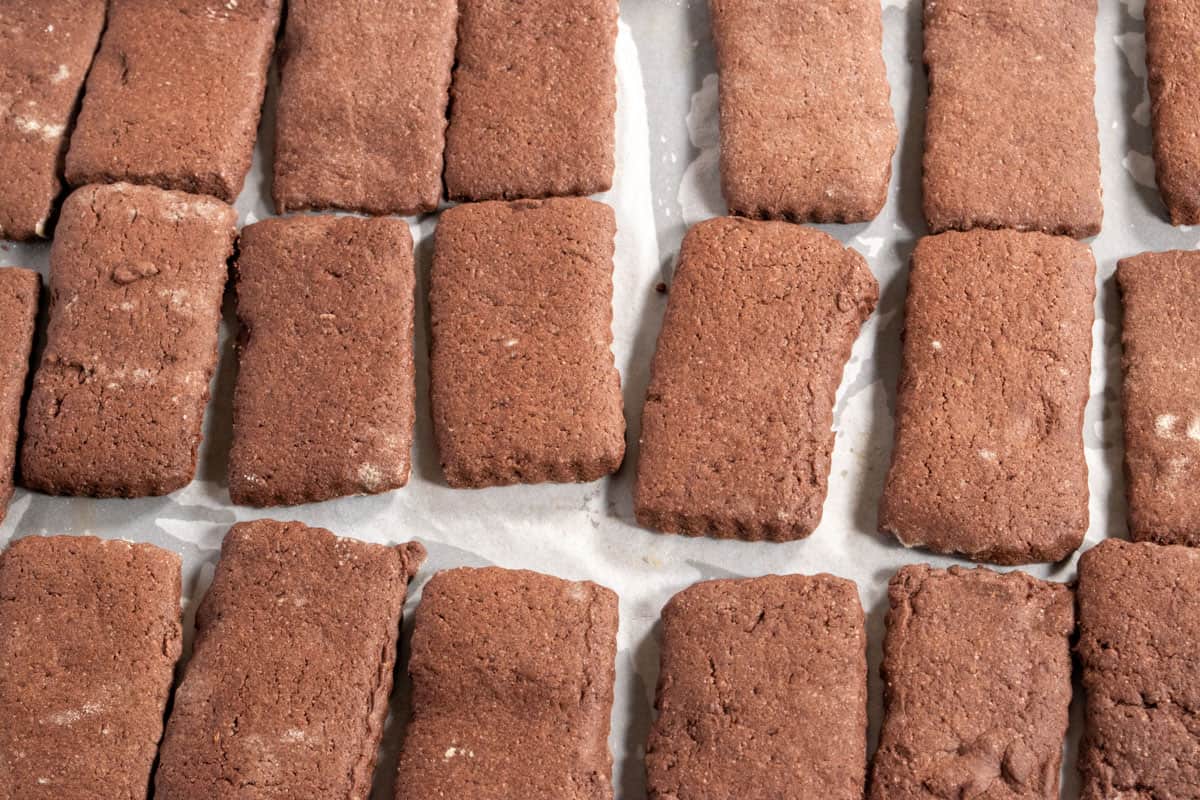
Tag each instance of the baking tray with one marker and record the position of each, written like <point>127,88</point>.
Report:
<point>667,180</point>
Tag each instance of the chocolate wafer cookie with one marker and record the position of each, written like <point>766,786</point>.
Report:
<point>988,455</point>
<point>324,401</point>
<point>762,691</point>
<point>1161,395</point>
<point>361,120</point>
<point>1173,74</point>
<point>19,290</point>
<point>89,636</point>
<point>1139,643</point>
<point>45,51</point>
<point>737,427</point>
<point>1010,131</point>
<point>522,378</point>
<point>977,682</point>
<point>287,689</point>
<point>512,675</point>
<point>136,280</point>
<point>807,132</point>
<point>175,95</point>
<point>534,99</point>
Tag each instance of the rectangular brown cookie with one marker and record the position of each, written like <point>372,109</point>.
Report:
<point>988,459</point>
<point>762,692</point>
<point>1011,138</point>
<point>136,280</point>
<point>19,290</point>
<point>534,99</point>
<point>89,635</point>
<point>361,119</point>
<point>977,683</point>
<point>1173,74</point>
<point>512,675</point>
<point>175,95</point>
<point>324,401</point>
<point>45,50</point>
<point>737,428</point>
<point>287,688</point>
<point>1139,644</point>
<point>1162,395</point>
<point>523,384</point>
<point>807,131</point>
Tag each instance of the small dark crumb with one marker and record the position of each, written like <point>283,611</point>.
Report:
<point>660,287</point>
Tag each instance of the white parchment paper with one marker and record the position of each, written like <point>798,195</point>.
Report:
<point>666,180</point>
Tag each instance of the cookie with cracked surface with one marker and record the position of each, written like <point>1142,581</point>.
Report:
<point>977,684</point>
<point>1173,75</point>
<point>137,276</point>
<point>988,459</point>
<point>1139,644</point>
<point>994,157</point>
<point>762,692</point>
<point>45,51</point>
<point>175,94</point>
<point>323,405</point>
<point>737,427</point>
<point>498,651</point>
<point>807,131</point>
<point>1161,397</point>
<point>533,99</point>
<point>522,379</point>
<point>90,631</point>
<point>361,120</point>
<point>287,689</point>
<point>19,291</point>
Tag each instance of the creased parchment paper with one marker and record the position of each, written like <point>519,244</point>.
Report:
<point>667,180</point>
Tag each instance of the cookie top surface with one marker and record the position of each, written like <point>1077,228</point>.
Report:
<point>988,458</point>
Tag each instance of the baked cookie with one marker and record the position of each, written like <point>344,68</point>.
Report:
<point>807,131</point>
<point>136,280</point>
<point>323,406</point>
<point>501,653</point>
<point>1011,139</point>
<point>89,636</point>
<point>522,379</point>
<point>1139,644</point>
<point>361,119</point>
<point>988,459</point>
<point>737,429</point>
<point>762,692</point>
<point>287,688</point>
<point>175,95</point>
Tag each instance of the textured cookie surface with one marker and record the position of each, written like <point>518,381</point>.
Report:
<point>512,675</point>
<point>324,400</point>
<point>19,289</point>
<point>737,426</point>
<point>175,94</point>
<point>45,51</point>
<point>988,457</point>
<point>136,279</point>
<point>523,384</point>
<point>1173,74</point>
<point>1010,132</point>
<point>534,99</point>
<point>807,132</point>
<point>286,691</point>
<point>1139,643</point>
<point>361,119</point>
<point>762,692</point>
<point>89,636</point>
<point>1161,402</point>
<point>977,683</point>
